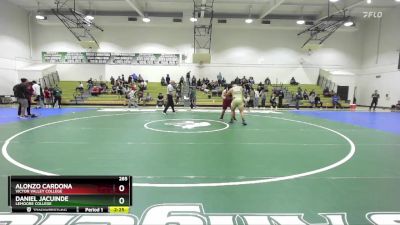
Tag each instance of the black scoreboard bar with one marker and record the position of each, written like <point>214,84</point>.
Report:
<point>88,194</point>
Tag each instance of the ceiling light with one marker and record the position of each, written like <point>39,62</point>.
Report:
<point>40,17</point>
<point>89,17</point>
<point>369,1</point>
<point>300,22</point>
<point>248,20</point>
<point>146,19</point>
<point>193,19</point>
<point>397,0</point>
<point>349,24</point>
<point>333,0</point>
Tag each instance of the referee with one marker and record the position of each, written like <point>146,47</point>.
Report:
<point>170,99</point>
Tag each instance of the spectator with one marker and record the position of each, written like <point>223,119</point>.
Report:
<point>267,81</point>
<point>140,78</point>
<point>192,97</point>
<point>188,77</point>
<point>326,92</point>
<point>90,83</point>
<point>311,99</point>
<point>317,101</point>
<point>29,97</point>
<point>160,100</point>
<point>305,94</point>
<point>147,99</point>
<point>167,79</point>
<point>219,78</point>
<point>312,92</point>
<point>38,93</point>
<point>163,83</point>
<point>280,98</point>
<point>132,98</point>
<point>57,93</point>
<point>272,100</point>
<point>396,108</point>
<point>123,78</point>
<point>134,77</point>
<point>47,97</point>
<point>375,96</point>
<point>112,81</point>
<point>256,98</point>
<point>297,98</point>
<point>336,101</point>
<point>20,92</point>
<point>193,81</point>
<point>293,81</point>
<point>129,79</point>
<point>80,87</point>
<point>263,96</point>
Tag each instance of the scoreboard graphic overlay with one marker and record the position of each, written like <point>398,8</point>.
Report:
<point>79,194</point>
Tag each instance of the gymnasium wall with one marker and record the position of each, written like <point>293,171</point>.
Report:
<point>14,44</point>
<point>381,45</point>
<point>257,52</point>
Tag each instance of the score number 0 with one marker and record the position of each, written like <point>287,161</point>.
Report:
<point>121,188</point>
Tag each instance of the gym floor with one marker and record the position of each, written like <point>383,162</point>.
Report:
<point>307,162</point>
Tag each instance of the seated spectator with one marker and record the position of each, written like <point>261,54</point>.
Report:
<point>199,84</point>
<point>129,79</point>
<point>163,83</point>
<point>312,100</point>
<point>293,81</point>
<point>79,87</point>
<point>336,101</point>
<point>90,83</point>
<point>396,108</point>
<point>193,81</point>
<point>317,101</point>
<point>305,94</point>
<point>223,82</point>
<point>96,90</point>
<point>251,80</point>
<point>312,92</point>
<point>326,92</point>
<point>147,99</point>
<point>297,98</point>
<point>140,78</point>
<point>160,100</point>
<point>299,90</point>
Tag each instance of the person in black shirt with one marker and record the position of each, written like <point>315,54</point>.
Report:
<point>375,96</point>
<point>317,101</point>
<point>280,98</point>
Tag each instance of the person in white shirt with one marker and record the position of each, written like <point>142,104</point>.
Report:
<point>170,99</point>
<point>132,100</point>
<point>38,93</point>
<point>256,98</point>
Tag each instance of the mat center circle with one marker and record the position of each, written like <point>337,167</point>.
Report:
<point>186,125</point>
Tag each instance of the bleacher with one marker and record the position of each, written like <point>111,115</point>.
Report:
<point>72,97</point>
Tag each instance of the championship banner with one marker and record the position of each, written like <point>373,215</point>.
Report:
<point>111,58</point>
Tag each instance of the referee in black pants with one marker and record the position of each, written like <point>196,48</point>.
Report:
<point>375,96</point>
<point>170,99</point>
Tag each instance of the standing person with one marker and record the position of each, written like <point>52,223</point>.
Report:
<point>237,102</point>
<point>375,96</point>
<point>298,97</point>
<point>280,98</point>
<point>57,93</point>
<point>168,79</point>
<point>38,92</point>
<point>170,99</point>
<point>29,95</point>
<point>272,100</point>
<point>192,97</point>
<point>226,101</point>
<point>263,96</point>
<point>256,98</point>
<point>47,97</point>
<point>20,92</point>
<point>132,98</point>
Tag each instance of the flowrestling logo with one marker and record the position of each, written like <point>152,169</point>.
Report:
<point>191,214</point>
<point>189,124</point>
